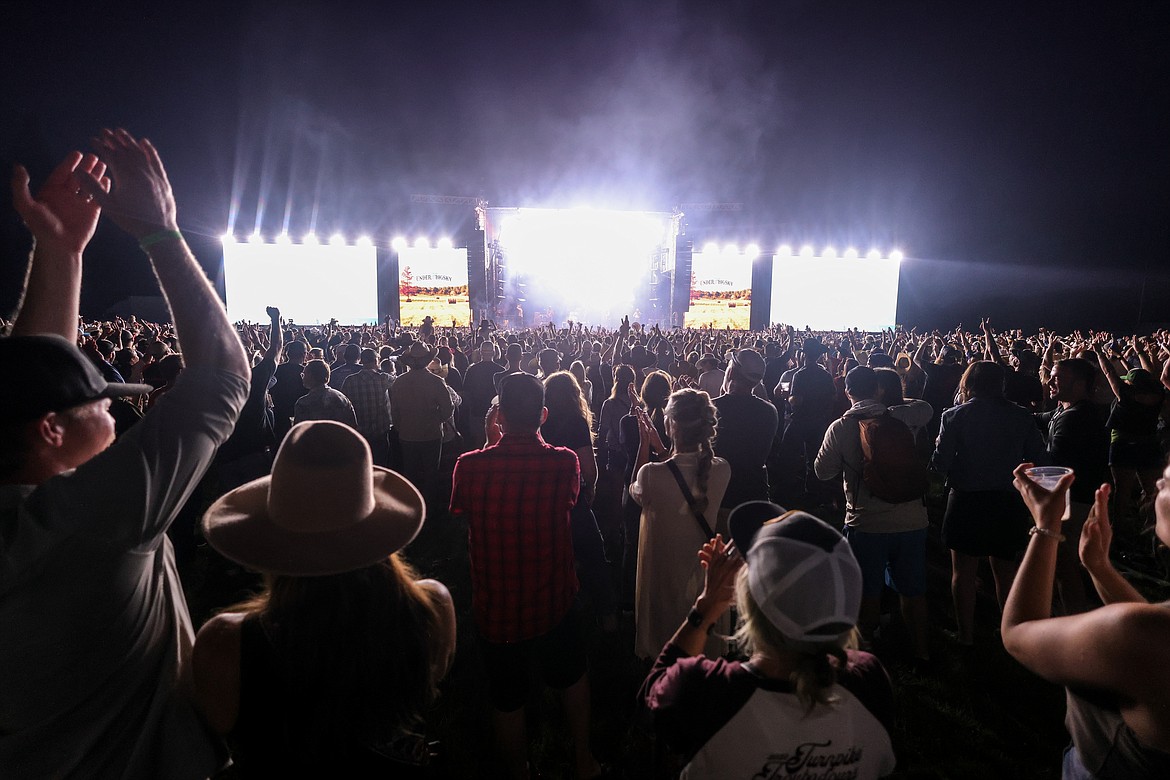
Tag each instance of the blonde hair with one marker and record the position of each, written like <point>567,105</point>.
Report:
<point>692,424</point>
<point>817,664</point>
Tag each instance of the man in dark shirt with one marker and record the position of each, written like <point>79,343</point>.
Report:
<point>811,397</point>
<point>747,425</point>
<point>288,388</point>
<point>478,390</point>
<point>1076,437</point>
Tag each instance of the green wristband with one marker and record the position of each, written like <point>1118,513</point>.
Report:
<point>156,238</point>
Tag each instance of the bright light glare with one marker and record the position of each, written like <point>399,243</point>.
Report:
<point>398,244</point>
<point>256,275</point>
<point>337,240</point>
<point>807,251</point>
<point>284,239</point>
<point>710,248</point>
<point>865,293</point>
<point>256,238</point>
<point>572,257</point>
<point>873,254</point>
<point>443,243</point>
<point>784,251</point>
<point>364,241</point>
<point>228,238</point>
<point>422,243</point>
<point>730,249</point>
<point>896,255</point>
<point>311,239</point>
<point>751,251</point>
<point>850,254</point>
<point>829,252</point>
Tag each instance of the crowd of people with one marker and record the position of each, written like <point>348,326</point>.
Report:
<point>748,497</point>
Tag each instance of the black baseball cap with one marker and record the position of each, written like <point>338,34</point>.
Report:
<point>49,374</point>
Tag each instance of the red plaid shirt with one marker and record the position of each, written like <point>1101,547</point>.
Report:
<point>517,495</point>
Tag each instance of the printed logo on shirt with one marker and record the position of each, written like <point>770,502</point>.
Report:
<point>812,761</point>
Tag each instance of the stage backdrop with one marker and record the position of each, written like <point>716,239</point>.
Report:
<point>721,290</point>
<point>309,283</point>
<point>834,293</point>
<point>433,282</point>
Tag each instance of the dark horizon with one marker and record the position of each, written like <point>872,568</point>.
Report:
<point>1016,153</point>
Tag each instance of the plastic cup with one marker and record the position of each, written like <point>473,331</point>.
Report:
<point>1047,477</point>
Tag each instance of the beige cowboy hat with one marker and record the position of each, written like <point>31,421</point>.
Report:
<point>325,509</point>
<point>417,355</point>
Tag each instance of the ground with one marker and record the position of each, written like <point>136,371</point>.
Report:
<point>718,313</point>
<point>439,307</point>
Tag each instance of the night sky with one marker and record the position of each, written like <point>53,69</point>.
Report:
<point>1018,152</point>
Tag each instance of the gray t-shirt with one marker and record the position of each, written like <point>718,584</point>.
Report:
<point>94,623</point>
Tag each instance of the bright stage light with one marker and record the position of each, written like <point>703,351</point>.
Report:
<point>227,238</point>
<point>784,250</point>
<point>583,261</point>
<point>444,243</point>
<point>807,251</point>
<point>730,249</point>
<point>364,241</point>
<point>284,239</point>
<point>873,254</point>
<point>256,238</point>
<point>896,255</point>
<point>829,252</point>
<point>710,248</point>
<point>751,251</point>
<point>422,243</point>
<point>398,244</point>
<point>311,239</point>
<point>337,240</point>
<point>850,254</point>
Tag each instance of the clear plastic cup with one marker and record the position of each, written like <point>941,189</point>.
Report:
<point>1047,477</point>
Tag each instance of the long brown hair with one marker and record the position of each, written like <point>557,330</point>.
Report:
<point>563,397</point>
<point>358,646</point>
<point>692,424</point>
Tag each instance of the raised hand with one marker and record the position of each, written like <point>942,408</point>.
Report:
<point>141,201</point>
<point>63,215</point>
<point>1097,533</point>
<point>273,313</point>
<point>721,564</point>
<point>1047,506</point>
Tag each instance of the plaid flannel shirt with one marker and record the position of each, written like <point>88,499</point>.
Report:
<point>517,495</point>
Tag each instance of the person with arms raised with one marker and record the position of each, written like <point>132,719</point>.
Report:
<point>96,628</point>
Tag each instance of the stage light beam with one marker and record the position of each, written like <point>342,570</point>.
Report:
<point>897,255</point>
<point>444,243</point>
<point>337,240</point>
<point>807,251</point>
<point>422,243</point>
<point>398,244</point>
<point>364,241</point>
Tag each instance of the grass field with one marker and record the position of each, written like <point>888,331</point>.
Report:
<point>718,313</point>
<point>437,306</point>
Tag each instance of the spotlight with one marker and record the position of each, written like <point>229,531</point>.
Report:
<point>850,254</point>
<point>284,238</point>
<point>443,243</point>
<point>829,252</point>
<point>751,251</point>
<point>398,244</point>
<point>730,249</point>
<point>784,250</point>
<point>710,248</point>
<point>807,251</point>
<point>228,238</point>
<point>873,254</point>
<point>256,238</point>
<point>422,243</point>
<point>311,239</point>
<point>337,240</point>
<point>896,255</point>
<point>365,241</point>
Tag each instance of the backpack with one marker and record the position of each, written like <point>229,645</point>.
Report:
<point>892,469</point>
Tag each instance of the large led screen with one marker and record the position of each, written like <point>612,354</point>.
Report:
<point>309,283</point>
<point>834,293</point>
<point>433,283</point>
<point>721,290</point>
<point>582,264</point>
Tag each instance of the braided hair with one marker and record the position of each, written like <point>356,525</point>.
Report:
<point>692,425</point>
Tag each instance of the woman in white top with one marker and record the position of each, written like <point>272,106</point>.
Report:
<point>669,574</point>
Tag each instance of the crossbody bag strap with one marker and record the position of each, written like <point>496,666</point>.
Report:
<point>686,491</point>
